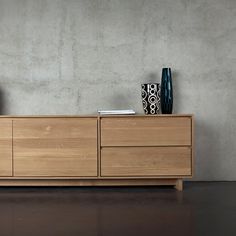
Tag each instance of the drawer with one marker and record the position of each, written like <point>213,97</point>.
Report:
<point>145,131</point>
<point>146,161</point>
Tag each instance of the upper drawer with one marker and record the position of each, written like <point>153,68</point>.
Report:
<point>145,131</point>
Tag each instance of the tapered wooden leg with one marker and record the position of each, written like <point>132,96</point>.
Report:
<point>179,184</point>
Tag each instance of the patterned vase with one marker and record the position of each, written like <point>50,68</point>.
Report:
<point>166,91</point>
<point>151,98</point>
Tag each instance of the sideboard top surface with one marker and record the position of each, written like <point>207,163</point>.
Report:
<point>93,116</point>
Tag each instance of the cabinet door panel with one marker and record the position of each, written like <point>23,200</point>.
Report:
<point>55,147</point>
<point>146,161</point>
<point>5,147</point>
<point>145,131</point>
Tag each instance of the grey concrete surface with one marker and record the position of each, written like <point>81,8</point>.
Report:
<point>74,57</point>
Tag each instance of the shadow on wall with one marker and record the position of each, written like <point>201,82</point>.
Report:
<point>202,135</point>
<point>176,91</point>
<point>152,78</point>
<point>2,102</point>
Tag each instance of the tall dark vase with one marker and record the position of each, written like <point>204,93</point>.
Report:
<point>166,91</point>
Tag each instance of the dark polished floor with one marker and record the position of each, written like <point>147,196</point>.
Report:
<point>201,209</point>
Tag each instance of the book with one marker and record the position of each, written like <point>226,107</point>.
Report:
<point>116,112</point>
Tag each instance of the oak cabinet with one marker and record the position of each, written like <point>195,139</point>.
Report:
<point>96,150</point>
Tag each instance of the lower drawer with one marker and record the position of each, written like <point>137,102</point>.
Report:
<point>145,161</point>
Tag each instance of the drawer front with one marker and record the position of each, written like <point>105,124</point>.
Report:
<point>55,147</point>
<point>5,147</point>
<point>146,161</point>
<point>146,131</point>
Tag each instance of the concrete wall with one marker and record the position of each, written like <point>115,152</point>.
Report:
<point>74,57</point>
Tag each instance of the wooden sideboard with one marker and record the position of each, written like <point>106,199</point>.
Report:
<point>96,150</point>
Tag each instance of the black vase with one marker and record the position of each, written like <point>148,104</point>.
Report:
<point>166,91</point>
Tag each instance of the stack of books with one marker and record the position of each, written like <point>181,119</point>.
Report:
<point>116,112</point>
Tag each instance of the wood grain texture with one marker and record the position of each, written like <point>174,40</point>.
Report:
<point>5,147</point>
<point>55,147</point>
<point>99,146</point>
<point>179,185</point>
<point>193,144</point>
<point>77,150</point>
<point>89,116</point>
<point>145,161</point>
<point>87,182</point>
<point>145,131</point>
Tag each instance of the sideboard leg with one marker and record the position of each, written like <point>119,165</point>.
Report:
<point>179,184</point>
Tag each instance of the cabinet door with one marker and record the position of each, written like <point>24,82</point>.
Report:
<point>145,131</point>
<point>55,147</point>
<point>146,161</point>
<point>5,147</point>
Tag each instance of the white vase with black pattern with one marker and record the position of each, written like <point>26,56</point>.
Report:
<point>151,98</point>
